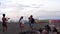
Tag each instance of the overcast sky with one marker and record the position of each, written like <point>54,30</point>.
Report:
<point>43,9</point>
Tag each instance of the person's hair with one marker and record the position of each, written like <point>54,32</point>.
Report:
<point>31,16</point>
<point>3,14</point>
<point>21,17</point>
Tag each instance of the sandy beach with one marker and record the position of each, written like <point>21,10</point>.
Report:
<point>13,28</point>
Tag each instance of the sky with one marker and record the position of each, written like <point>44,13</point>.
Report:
<point>40,9</point>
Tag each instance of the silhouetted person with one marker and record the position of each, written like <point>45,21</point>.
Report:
<point>55,30</point>
<point>21,22</point>
<point>31,21</point>
<point>4,24</point>
<point>40,30</point>
<point>48,28</point>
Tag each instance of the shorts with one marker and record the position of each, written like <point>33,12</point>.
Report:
<point>31,25</point>
<point>21,25</point>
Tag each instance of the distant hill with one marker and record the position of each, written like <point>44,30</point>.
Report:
<point>41,21</point>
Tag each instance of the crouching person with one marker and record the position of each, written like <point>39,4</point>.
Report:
<point>44,31</point>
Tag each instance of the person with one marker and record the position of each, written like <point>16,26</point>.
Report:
<point>55,30</point>
<point>31,22</point>
<point>21,22</point>
<point>4,24</point>
<point>51,26</point>
<point>41,29</point>
<point>48,28</point>
<point>45,31</point>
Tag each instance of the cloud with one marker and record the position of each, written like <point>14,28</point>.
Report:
<point>27,7</point>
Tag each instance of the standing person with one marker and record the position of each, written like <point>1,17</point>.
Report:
<point>31,22</point>
<point>51,26</point>
<point>21,23</point>
<point>4,24</point>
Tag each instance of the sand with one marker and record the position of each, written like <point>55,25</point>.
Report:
<point>13,28</point>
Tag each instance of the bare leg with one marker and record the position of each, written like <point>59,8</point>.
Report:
<point>3,29</point>
<point>6,28</point>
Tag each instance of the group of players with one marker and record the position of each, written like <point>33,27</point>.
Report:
<point>21,22</point>
<point>31,23</point>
